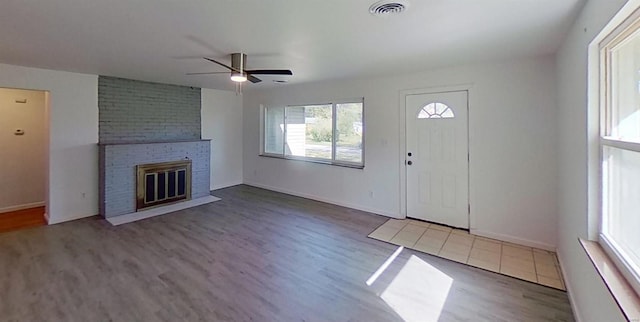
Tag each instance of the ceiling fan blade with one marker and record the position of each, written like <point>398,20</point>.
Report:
<point>207,73</point>
<point>269,72</point>
<point>221,64</point>
<point>249,73</point>
<point>253,79</point>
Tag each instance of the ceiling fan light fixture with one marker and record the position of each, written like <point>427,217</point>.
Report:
<point>238,77</point>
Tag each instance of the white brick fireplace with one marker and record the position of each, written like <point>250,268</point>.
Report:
<point>118,170</point>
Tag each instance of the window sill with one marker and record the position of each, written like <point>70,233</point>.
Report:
<point>622,292</point>
<point>344,165</point>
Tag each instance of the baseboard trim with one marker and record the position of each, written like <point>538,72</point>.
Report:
<point>23,206</point>
<point>567,285</point>
<point>322,199</point>
<point>224,185</point>
<point>512,239</point>
<point>53,221</point>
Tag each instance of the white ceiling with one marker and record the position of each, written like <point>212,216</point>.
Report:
<point>161,40</point>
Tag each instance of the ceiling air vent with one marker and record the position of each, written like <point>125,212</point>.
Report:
<point>387,7</point>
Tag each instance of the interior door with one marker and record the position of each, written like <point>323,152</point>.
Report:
<point>437,159</point>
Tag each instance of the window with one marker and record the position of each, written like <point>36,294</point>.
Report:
<point>435,111</point>
<point>274,130</point>
<point>327,133</point>
<point>620,151</point>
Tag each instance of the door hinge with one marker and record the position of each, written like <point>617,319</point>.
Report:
<point>469,208</point>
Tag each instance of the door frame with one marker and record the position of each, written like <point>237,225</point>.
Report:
<point>468,87</point>
<point>47,143</point>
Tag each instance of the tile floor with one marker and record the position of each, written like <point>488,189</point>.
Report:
<point>530,264</point>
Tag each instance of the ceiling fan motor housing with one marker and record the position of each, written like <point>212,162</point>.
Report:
<point>238,61</point>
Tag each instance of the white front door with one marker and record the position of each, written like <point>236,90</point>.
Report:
<point>437,160</point>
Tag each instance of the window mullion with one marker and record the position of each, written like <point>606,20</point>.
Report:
<point>624,145</point>
<point>263,136</point>
<point>334,116</point>
<point>284,139</point>
<point>605,100</point>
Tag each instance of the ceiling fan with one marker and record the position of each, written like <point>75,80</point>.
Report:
<point>238,72</point>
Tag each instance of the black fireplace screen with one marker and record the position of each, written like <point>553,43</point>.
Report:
<point>160,183</point>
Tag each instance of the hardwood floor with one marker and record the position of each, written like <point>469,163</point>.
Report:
<point>20,219</point>
<point>256,255</point>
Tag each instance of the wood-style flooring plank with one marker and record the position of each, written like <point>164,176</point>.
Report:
<point>256,255</point>
<point>20,219</point>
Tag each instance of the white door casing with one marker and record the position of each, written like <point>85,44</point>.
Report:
<point>437,159</point>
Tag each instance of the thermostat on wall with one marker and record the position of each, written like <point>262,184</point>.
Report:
<point>19,132</point>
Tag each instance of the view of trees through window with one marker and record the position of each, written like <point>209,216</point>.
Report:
<point>349,132</point>
<point>318,131</point>
<point>312,129</point>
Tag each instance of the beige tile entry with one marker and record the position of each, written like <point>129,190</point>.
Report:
<point>526,263</point>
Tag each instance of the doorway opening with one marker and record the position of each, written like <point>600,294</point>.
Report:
<point>24,158</point>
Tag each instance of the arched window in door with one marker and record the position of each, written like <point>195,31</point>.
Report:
<point>436,111</point>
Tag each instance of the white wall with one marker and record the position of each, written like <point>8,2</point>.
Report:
<point>73,133</point>
<point>222,123</point>
<point>512,145</point>
<point>591,300</point>
<point>22,157</point>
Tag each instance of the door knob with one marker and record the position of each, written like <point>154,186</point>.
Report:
<point>409,162</point>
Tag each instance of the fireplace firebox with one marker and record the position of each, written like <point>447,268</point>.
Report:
<point>162,183</point>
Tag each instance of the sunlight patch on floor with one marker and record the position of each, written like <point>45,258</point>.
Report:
<point>418,292</point>
<point>384,266</point>
<point>526,263</point>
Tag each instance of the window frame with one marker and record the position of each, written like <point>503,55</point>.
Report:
<point>334,116</point>
<point>621,34</point>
